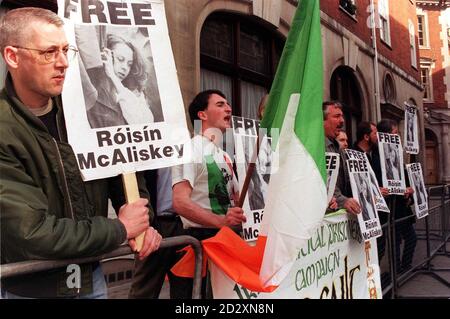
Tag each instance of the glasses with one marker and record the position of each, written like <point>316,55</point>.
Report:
<point>50,55</point>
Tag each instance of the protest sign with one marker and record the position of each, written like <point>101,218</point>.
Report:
<point>391,158</point>
<point>359,173</point>
<point>332,163</point>
<point>122,102</point>
<point>245,133</point>
<point>411,130</point>
<point>420,194</point>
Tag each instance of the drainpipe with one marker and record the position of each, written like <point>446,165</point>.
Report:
<point>377,113</point>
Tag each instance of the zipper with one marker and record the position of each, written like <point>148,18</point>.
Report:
<point>66,187</point>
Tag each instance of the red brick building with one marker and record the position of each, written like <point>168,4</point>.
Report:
<point>378,87</point>
<point>434,45</point>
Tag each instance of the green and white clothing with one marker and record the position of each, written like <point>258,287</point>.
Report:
<point>210,174</point>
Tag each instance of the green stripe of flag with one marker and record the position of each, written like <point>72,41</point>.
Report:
<point>301,71</point>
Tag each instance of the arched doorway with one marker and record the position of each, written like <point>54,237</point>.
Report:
<point>432,158</point>
<point>344,88</point>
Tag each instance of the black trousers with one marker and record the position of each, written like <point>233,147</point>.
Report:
<point>150,273</point>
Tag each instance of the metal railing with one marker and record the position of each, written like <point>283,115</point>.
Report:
<point>433,233</point>
<point>33,266</point>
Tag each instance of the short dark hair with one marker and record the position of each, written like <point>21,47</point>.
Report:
<point>200,103</point>
<point>386,125</point>
<point>363,128</point>
<point>326,104</point>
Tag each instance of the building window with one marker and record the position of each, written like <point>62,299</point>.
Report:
<point>412,44</point>
<point>422,25</point>
<point>238,59</point>
<point>383,10</point>
<point>425,74</point>
<point>348,6</point>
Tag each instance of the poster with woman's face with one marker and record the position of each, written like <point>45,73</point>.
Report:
<point>411,130</point>
<point>122,101</point>
<point>391,160</point>
<point>358,169</point>
<point>420,194</point>
<point>245,147</point>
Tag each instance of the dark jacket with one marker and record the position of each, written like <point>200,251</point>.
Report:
<point>46,210</point>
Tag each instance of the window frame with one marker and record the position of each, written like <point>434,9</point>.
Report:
<point>425,32</point>
<point>385,26</point>
<point>343,7</point>
<point>427,66</point>
<point>412,44</point>
<point>234,69</point>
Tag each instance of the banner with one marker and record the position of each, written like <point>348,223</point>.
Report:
<point>420,194</point>
<point>411,130</point>
<point>391,158</point>
<point>359,174</point>
<point>122,101</point>
<point>334,263</point>
<point>332,161</point>
<point>245,132</point>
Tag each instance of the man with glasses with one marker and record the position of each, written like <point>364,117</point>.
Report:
<point>46,211</point>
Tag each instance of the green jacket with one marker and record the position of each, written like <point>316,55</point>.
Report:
<point>46,210</point>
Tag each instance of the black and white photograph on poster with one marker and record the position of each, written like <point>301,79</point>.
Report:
<point>411,130</point>
<point>332,161</point>
<point>391,159</point>
<point>358,170</point>
<point>118,76</point>
<point>420,194</point>
<point>380,203</point>
<point>122,101</point>
<point>245,136</point>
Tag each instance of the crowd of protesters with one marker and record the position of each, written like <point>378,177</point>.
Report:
<point>48,212</point>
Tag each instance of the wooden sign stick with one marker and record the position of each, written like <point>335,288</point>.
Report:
<point>250,170</point>
<point>131,189</point>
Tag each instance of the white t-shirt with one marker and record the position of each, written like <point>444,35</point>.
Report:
<point>210,174</point>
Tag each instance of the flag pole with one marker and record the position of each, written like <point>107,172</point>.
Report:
<point>250,169</point>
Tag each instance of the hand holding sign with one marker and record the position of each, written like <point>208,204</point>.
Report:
<point>134,215</point>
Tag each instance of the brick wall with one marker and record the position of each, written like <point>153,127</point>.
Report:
<point>434,53</point>
<point>400,11</point>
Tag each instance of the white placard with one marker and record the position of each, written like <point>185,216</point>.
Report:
<point>411,130</point>
<point>359,173</point>
<point>391,159</point>
<point>245,133</point>
<point>420,194</point>
<point>122,101</point>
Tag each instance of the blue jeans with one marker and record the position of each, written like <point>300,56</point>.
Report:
<point>99,290</point>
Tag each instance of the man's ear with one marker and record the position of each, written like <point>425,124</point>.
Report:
<point>11,57</point>
<point>202,115</point>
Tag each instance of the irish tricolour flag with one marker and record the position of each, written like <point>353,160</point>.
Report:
<point>297,197</point>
